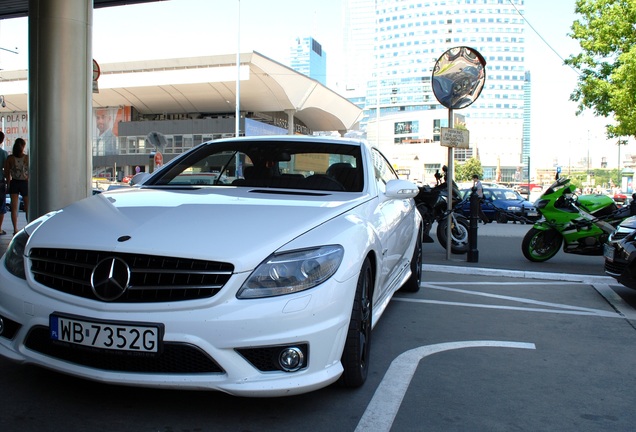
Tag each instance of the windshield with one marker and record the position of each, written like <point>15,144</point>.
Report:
<point>267,164</point>
<point>504,194</point>
<point>560,183</point>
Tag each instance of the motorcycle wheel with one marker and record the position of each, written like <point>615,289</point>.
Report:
<point>541,245</point>
<point>459,234</point>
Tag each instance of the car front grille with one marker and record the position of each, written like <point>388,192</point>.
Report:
<point>152,278</point>
<point>620,234</point>
<point>174,358</point>
<point>614,268</point>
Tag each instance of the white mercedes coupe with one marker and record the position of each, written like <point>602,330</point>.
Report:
<point>255,266</point>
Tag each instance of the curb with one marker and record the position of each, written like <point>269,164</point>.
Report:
<point>480,271</point>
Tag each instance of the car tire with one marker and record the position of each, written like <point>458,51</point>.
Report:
<point>501,218</point>
<point>412,285</point>
<point>355,356</point>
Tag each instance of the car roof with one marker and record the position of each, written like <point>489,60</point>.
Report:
<point>294,138</point>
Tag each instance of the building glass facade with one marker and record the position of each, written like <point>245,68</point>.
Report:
<point>403,39</point>
<point>308,58</point>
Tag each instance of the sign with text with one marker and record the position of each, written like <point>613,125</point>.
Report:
<point>457,138</point>
<point>312,162</point>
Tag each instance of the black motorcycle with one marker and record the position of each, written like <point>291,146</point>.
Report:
<point>432,204</point>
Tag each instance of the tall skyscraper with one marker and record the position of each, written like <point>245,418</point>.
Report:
<point>392,47</point>
<point>308,58</point>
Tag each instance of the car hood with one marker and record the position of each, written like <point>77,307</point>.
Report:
<point>235,225</point>
<point>629,223</point>
<point>517,203</point>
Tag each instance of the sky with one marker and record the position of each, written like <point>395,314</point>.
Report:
<point>185,28</point>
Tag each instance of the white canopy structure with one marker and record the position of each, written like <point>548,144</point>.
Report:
<point>207,85</point>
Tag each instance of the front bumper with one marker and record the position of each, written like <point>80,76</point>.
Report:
<point>620,262</point>
<point>208,333</point>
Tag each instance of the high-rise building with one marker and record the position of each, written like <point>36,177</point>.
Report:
<point>308,58</point>
<point>392,47</point>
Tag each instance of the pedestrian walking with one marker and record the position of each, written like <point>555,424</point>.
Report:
<point>16,169</point>
<point>3,184</point>
<point>479,190</point>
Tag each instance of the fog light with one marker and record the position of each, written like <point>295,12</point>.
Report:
<point>291,359</point>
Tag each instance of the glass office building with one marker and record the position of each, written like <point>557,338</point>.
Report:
<point>308,58</point>
<point>396,44</point>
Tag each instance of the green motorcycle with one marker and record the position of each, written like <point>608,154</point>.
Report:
<point>581,224</point>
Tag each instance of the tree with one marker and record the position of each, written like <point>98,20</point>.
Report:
<point>465,171</point>
<point>607,62</point>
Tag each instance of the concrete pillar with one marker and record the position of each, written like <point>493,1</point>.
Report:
<point>290,121</point>
<point>60,103</point>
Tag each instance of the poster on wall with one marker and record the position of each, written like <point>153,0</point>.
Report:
<point>405,127</point>
<point>14,125</point>
<point>106,129</point>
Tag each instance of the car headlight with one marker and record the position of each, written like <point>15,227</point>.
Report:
<point>291,272</point>
<point>514,208</point>
<point>14,258</point>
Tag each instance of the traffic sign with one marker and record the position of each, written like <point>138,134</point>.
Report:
<point>96,71</point>
<point>457,138</point>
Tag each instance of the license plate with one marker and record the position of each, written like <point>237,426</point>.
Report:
<point>533,214</point>
<point>608,252</point>
<point>110,335</point>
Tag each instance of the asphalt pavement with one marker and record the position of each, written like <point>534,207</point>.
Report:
<point>499,344</point>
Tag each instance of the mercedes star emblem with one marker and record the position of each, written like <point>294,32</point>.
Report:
<point>110,278</point>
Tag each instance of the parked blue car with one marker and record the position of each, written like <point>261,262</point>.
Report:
<point>502,205</point>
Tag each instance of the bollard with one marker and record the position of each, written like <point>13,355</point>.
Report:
<point>473,253</point>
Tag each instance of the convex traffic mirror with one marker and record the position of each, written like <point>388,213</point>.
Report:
<point>458,77</point>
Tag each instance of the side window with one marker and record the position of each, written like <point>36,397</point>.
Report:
<point>382,169</point>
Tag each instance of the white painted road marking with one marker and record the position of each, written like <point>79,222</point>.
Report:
<point>386,401</point>
<point>514,308</point>
<point>558,308</point>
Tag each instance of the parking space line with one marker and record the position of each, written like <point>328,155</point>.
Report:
<point>518,299</point>
<point>386,401</point>
<point>512,308</point>
<point>558,308</point>
<point>533,283</point>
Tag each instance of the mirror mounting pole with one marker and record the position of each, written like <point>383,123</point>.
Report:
<point>458,77</point>
<point>449,184</point>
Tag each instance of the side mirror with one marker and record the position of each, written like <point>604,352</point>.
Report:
<point>401,189</point>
